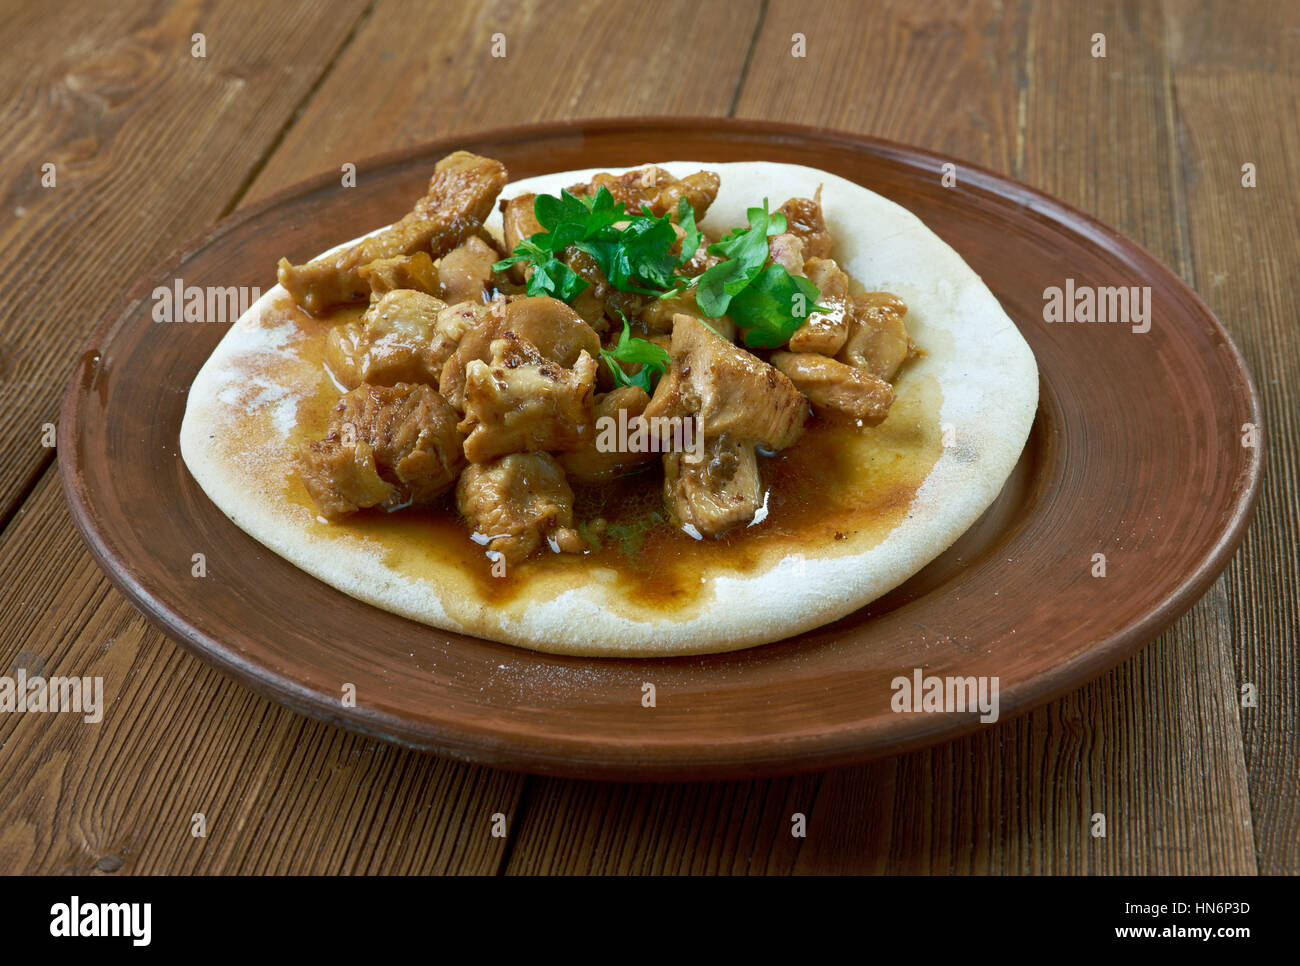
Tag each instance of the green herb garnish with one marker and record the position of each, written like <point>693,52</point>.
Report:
<point>636,257</point>
<point>767,303</point>
<point>550,275</point>
<point>653,359</point>
<point>773,307</point>
<point>686,220</point>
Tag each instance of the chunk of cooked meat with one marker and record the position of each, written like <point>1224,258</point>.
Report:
<point>731,390</point>
<point>555,329</point>
<point>414,271</point>
<point>701,261</point>
<point>719,492</point>
<point>834,387</point>
<point>699,189</point>
<point>384,446</point>
<point>658,315</point>
<point>600,303</point>
<point>825,332</point>
<point>460,196</point>
<point>518,221</point>
<point>391,343</point>
<point>453,322</point>
<point>878,339</point>
<point>592,464</point>
<point>516,502</point>
<point>656,188</point>
<point>786,250</point>
<point>466,271</point>
<point>521,402</point>
<point>803,217</point>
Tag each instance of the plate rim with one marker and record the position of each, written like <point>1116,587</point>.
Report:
<point>575,756</point>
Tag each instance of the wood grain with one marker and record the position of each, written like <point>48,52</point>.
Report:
<point>1235,83</point>
<point>987,80</point>
<point>132,123</point>
<point>1009,86</point>
<point>278,792</point>
<point>423,53</point>
<point>393,87</point>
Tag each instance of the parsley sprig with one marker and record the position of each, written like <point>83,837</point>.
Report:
<point>653,358</point>
<point>767,304</point>
<point>634,252</point>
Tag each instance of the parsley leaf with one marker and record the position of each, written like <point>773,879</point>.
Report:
<point>635,257</point>
<point>653,359</point>
<point>746,252</point>
<point>638,258</point>
<point>550,275</point>
<point>569,219</point>
<point>686,220</point>
<point>773,307</point>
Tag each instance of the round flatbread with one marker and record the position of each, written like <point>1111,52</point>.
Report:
<point>858,512</point>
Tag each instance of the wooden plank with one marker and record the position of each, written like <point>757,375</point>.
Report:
<point>279,793</point>
<point>1155,745</point>
<point>1151,745</point>
<point>700,829</point>
<point>416,72</point>
<point>943,75</point>
<point>149,144</point>
<point>1235,79</point>
<point>1018,798</point>
<point>288,794</point>
<point>1101,133</point>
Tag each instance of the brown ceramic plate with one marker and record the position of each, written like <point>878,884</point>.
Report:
<point>1136,454</point>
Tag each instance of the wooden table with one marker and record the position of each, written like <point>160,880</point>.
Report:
<point>152,144</point>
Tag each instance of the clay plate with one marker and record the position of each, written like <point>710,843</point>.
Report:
<point>1135,453</point>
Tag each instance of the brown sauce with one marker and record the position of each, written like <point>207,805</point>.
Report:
<point>839,490</point>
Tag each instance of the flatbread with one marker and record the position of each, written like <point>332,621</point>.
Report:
<point>962,415</point>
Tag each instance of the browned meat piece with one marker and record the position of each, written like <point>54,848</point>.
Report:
<point>466,272</point>
<point>803,217</point>
<point>460,196</point>
<point>414,271</point>
<point>518,219</point>
<point>658,315</point>
<point>786,250</point>
<point>878,341</point>
<point>591,464</point>
<point>699,189</point>
<point>701,261</point>
<point>391,343</point>
<point>453,322</point>
<point>550,325</point>
<point>825,332</point>
<point>731,390</point>
<point>517,223</point>
<point>522,402</point>
<point>590,302</point>
<point>516,502</point>
<point>834,387</point>
<point>719,492</point>
<point>384,446</point>
<point>600,304</point>
<point>656,188</point>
